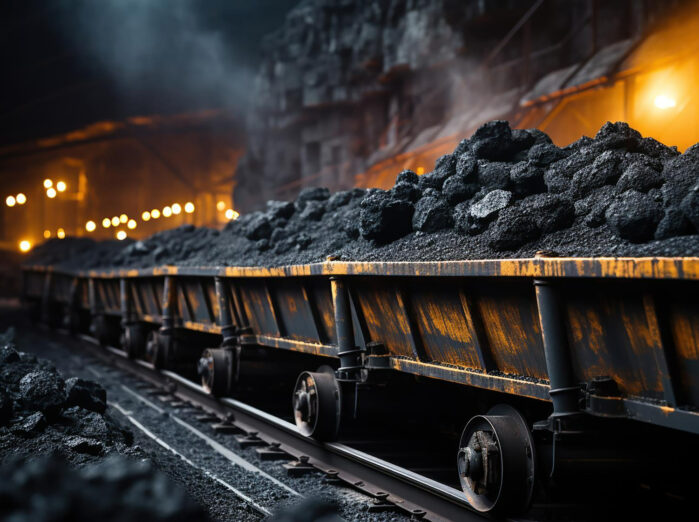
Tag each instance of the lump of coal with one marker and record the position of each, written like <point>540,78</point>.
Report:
<point>640,176</point>
<point>603,171</point>
<point>8,354</point>
<point>512,229</point>
<point>492,140</point>
<point>30,426</point>
<point>406,191</point>
<point>313,210</point>
<point>634,216</point>
<point>544,154</point>
<point>84,445</point>
<point>690,206</point>
<point>456,189</point>
<point>432,214</point>
<point>674,223</point>
<point>86,394</point>
<point>407,176</point>
<point>258,227</point>
<point>42,390</point>
<point>339,199</point>
<point>311,194</point>
<point>383,219</point>
<point>487,208</point>
<point>527,178</point>
<point>493,175</point>
<point>466,166</point>
<point>551,212</point>
<point>280,209</point>
<point>617,135</point>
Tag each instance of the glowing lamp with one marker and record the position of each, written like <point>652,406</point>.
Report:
<point>25,246</point>
<point>167,212</point>
<point>176,208</point>
<point>60,233</point>
<point>90,226</point>
<point>145,216</point>
<point>47,234</point>
<point>420,171</point>
<point>121,235</point>
<point>51,192</point>
<point>61,186</point>
<point>10,201</point>
<point>115,221</point>
<point>221,206</point>
<point>664,102</point>
<point>189,207</point>
<point>131,224</point>
<point>123,218</point>
<point>155,213</point>
<point>21,199</point>
<point>48,183</point>
<point>231,214</point>
<point>106,222</point>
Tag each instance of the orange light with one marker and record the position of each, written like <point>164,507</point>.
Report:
<point>115,221</point>
<point>106,222</point>
<point>121,235</point>
<point>664,102</point>
<point>231,214</point>
<point>90,226</point>
<point>123,218</point>
<point>48,183</point>
<point>420,171</point>
<point>21,199</point>
<point>221,206</point>
<point>25,246</point>
<point>167,212</point>
<point>145,216</point>
<point>47,234</point>
<point>60,233</point>
<point>51,192</point>
<point>131,224</point>
<point>155,213</point>
<point>189,207</point>
<point>176,208</point>
<point>10,201</point>
<point>61,186</point>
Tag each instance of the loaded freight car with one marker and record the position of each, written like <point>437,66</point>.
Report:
<point>603,340</point>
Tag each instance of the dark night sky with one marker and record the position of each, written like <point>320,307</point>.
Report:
<point>73,62</point>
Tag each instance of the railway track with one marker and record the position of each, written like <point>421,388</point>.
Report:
<point>391,486</point>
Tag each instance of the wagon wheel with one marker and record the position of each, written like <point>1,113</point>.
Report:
<point>316,403</point>
<point>134,340</point>
<point>496,461</point>
<point>157,349</point>
<point>217,368</point>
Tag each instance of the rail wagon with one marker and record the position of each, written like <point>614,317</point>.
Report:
<point>598,339</point>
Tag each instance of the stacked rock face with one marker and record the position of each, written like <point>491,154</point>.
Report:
<point>501,193</point>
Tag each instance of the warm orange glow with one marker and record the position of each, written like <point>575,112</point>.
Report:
<point>189,207</point>
<point>51,193</point>
<point>61,186</point>
<point>115,221</point>
<point>420,171</point>
<point>231,214</point>
<point>123,218</point>
<point>10,201</point>
<point>155,213</point>
<point>90,226</point>
<point>121,235</point>
<point>145,216</point>
<point>25,246</point>
<point>176,208</point>
<point>167,212</point>
<point>106,222</point>
<point>47,234</point>
<point>60,233</point>
<point>221,206</point>
<point>48,183</point>
<point>21,199</point>
<point>664,102</point>
<point>131,224</point>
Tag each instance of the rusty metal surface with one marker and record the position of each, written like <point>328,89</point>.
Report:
<point>477,323</point>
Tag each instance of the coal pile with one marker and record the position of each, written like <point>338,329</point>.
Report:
<point>41,412</point>
<point>502,193</point>
<point>116,488</point>
<point>76,252</point>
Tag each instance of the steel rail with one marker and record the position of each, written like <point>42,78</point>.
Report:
<point>415,494</point>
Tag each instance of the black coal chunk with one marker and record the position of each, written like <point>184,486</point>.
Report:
<point>674,223</point>
<point>640,176</point>
<point>544,154</point>
<point>617,135</point>
<point>42,390</point>
<point>690,206</point>
<point>339,199</point>
<point>432,214</point>
<point>559,175</point>
<point>456,189</point>
<point>280,209</point>
<point>512,230</point>
<point>407,176</point>
<point>482,212</point>
<point>30,426</point>
<point>258,227</point>
<point>406,191</point>
<point>494,175</point>
<point>492,140</point>
<point>84,445</point>
<point>466,166</point>
<point>8,354</point>
<point>383,219</point>
<point>634,216</point>
<point>86,394</point>
<point>603,171</point>
<point>527,178</point>
<point>551,212</point>
<point>313,210</point>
